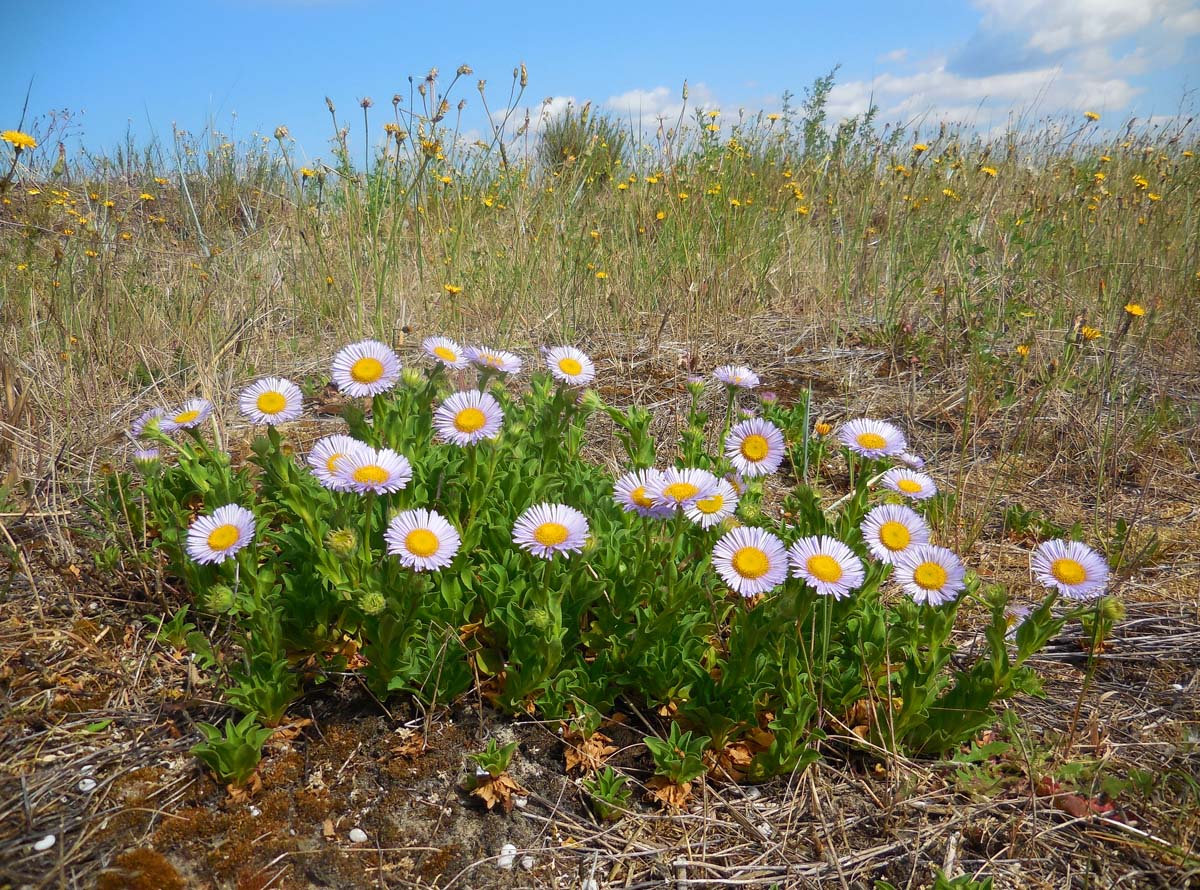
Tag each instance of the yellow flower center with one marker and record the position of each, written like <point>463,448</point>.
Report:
<point>711,505</point>
<point>422,542</point>
<point>894,535</point>
<point>754,447</point>
<point>331,464</point>
<point>469,420</point>
<point>494,361</point>
<point>186,416</point>
<point>871,441</point>
<point>367,369</point>
<point>569,366</point>
<point>638,496</point>
<point>824,567</point>
<point>371,474</point>
<point>445,354</point>
<point>550,534</point>
<point>1068,571</point>
<point>910,486</point>
<point>271,402</point>
<point>750,562</point>
<point>223,537</point>
<point>680,491</point>
<point>930,576</point>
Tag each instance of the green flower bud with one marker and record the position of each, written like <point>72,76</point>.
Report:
<point>412,377</point>
<point>1112,609</point>
<point>341,541</point>
<point>539,619</point>
<point>371,603</point>
<point>591,401</point>
<point>218,599</point>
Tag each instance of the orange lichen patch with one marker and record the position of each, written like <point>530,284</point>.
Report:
<point>140,869</point>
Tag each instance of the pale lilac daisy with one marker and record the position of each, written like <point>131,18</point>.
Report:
<point>717,507</point>
<point>547,529</point>
<point>1076,570</point>
<point>827,566</point>
<point>218,536</point>
<point>930,574</point>
<point>910,483</point>
<point>631,492</point>
<point>872,438</point>
<point>146,460</point>
<point>325,456</point>
<point>913,461</point>
<point>738,376</point>
<point>139,426</point>
<point>679,489</point>
<point>423,540</point>
<point>465,418</point>
<point>751,561</point>
<point>493,359</point>
<point>892,529</point>
<point>379,470</point>
<point>568,365</point>
<point>446,351</point>
<point>366,368</point>
<point>755,447</point>
<point>272,400</point>
<point>193,413</point>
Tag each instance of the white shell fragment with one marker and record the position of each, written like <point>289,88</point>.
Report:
<point>358,836</point>
<point>527,862</point>
<point>508,855</point>
<point>45,843</point>
<point>86,785</point>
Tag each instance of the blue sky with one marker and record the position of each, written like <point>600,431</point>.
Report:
<point>246,66</point>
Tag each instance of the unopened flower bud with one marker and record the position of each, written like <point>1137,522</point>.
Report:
<point>218,599</point>
<point>539,619</point>
<point>281,132</point>
<point>412,377</point>
<point>371,603</point>
<point>341,541</point>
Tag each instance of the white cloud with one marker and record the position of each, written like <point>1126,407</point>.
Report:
<point>647,108</point>
<point>896,55</point>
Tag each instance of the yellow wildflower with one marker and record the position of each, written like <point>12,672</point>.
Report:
<point>1091,115</point>
<point>1023,351</point>
<point>660,215</point>
<point>920,147</point>
<point>1089,333</point>
<point>623,186</point>
<point>452,289</point>
<point>145,196</point>
<point>18,140</point>
<point>990,171</point>
<point>306,173</point>
<point>1154,196</point>
<point>160,180</point>
<point>772,117</point>
<point>127,236</point>
<point>446,180</point>
<point>1098,176</point>
<point>594,234</point>
<point>601,274</point>
<point>713,128</point>
<point>1141,181</point>
<point>1187,154</point>
<point>683,196</point>
<point>822,429</point>
<point>1135,309</point>
<point>950,193</point>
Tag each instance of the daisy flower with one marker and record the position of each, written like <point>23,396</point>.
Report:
<point>547,529</point>
<point>466,417</point>
<point>872,438</point>
<point>139,426</point>
<point>827,566</point>
<point>680,489</point>
<point>892,529</point>
<point>1014,617</point>
<point>446,351</point>
<point>737,376</point>
<point>755,447</point>
<point>751,561</point>
<point>374,470</point>
<point>365,369</point>
<point>193,413</point>
<point>570,366</point>
<point>327,454</point>
<point>631,492</point>
<point>913,461</point>
<point>493,359</point>
<point>909,483</point>
<point>930,574</point>
<point>216,537</point>
<point>1075,569</point>
<point>146,459</point>
<point>718,506</point>
<point>272,400</point>
<point>422,539</point>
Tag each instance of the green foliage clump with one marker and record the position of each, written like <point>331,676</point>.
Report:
<point>583,143</point>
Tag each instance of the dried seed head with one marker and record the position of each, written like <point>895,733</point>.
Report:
<point>685,91</point>
<point>395,100</point>
<point>480,86</point>
<point>281,132</point>
<point>524,76</point>
<point>329,105</point>
<point>464,70</point>
<point>431,76</point>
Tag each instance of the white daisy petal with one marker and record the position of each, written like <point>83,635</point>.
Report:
<point>892,529</point>
<point>910,483</point>
<point>568,365</point>
<point>374,470</point>
<point>755,447</point>
<point>325,456</point>
<point>446,351</point>
<point>547,529</point>
<point>193,413</point>
<point>272,400</point>
<point>827,566</point>
<point>737,376</point>
<point>1076,570</point>
<point>751,561</point>
<point>365,369</point>
<point>144,419</point>
<point>632,493</point>
<point>493,359</point>
<point>679,489</point>
<point>717,507</point>
<point>930,574</point>
<point>423,540</point>
<point>218,536</point>
<point>465,418</point>
<point>872,438</point>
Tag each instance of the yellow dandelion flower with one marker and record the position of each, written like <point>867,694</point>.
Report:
<point>1023,350</point>
<point>1089,333</point>
<point>623,187</point>
<point>160,180</point>
<point>1104,159</point>
<point>1154,196</point>
<point>110,203</point>
<point>601,274</point>
<point>1141,181</point>
<point>594,234</point>
<point>822,429</point>
<point>920,147</point>
<point>713,128</point>
<point>21,267</point>
<point>145,196</point>
<point>713,115</point>
<point>329,281</point>
<point>772,117</point>
<point>1135,309</point>
<point>18,140</point>
<point>683,196</point>
<point>990,171</point>
<point>1091,115</point>
<point>950,193</point>
<point>1187,154</point>
<point>452,289</point>
<point>1098,176</point>
<point>734,202</point>
<point>660,215</point>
